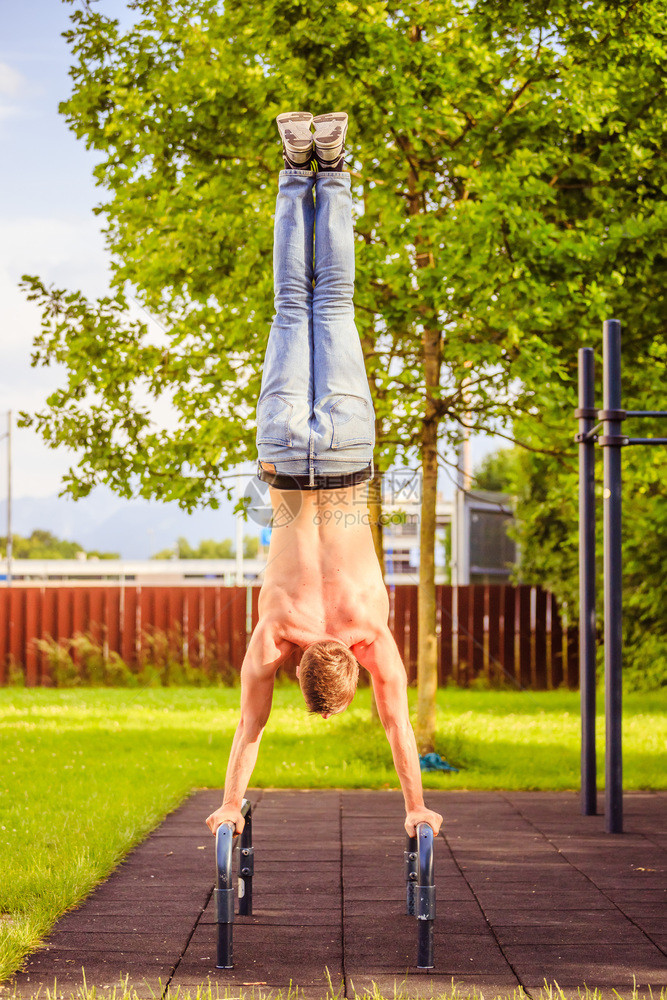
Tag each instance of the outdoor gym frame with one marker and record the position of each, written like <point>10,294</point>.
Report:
<point>419,877</point>
<point>611,440</point>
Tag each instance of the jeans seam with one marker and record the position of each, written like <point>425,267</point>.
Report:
<point>296,173</point>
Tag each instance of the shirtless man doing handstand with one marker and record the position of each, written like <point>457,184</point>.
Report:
<point>323,590</point>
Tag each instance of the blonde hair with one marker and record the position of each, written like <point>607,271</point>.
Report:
<point>328,675</point>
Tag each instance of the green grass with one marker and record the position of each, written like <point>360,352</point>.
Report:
<point>550,991</point>
<point>86,774</point>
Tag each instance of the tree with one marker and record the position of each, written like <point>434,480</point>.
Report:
<point>505,160</point>
<point>495,471</point>
<point>208,548</point>
<point>42,544</point>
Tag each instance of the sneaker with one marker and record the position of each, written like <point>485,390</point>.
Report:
<point>294,128</point>
<point>330,132</point>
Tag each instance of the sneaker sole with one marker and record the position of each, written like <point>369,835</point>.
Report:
<point>294,128</point>
<point>330,129</point>
<point>330,132</point>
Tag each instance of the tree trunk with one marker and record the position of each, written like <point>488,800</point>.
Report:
<point>427,649</point>
<point>427,645</point>
<point>375,513</point>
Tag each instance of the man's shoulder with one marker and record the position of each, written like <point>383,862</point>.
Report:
<point>268,646</point>
<point>377,651</point>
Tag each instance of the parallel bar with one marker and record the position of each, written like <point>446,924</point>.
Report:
<point>224,895</point>
<point>587,580</point>
<point>224,889</point>
<point>411,874</point>
<point>613,571</point>
<point>425,896</point>
<point>246,862</point>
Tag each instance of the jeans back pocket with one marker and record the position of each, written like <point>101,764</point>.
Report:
<point>274,415</point>
<point>351,421</point>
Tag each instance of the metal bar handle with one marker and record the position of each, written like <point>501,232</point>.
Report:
<point>224,894</point>
<point>411,874</point>
<point>425,896</point>
<point>224,889</point>
<point>246,862</point>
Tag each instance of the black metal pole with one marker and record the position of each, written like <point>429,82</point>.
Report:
<point>224,895</point>
<point>612,441</point>
<point>411,874</point>
<point>587,414</point>
<point>425,896</point>
<point>246,862</point>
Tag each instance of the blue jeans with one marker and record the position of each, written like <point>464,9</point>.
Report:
<point>315,412</point>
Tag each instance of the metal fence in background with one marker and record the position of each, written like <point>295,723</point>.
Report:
<point>489,631</point>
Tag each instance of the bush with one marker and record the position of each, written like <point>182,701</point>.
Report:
<point>82,661</point>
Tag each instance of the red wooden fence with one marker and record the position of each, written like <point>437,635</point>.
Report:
<point>493,631</point>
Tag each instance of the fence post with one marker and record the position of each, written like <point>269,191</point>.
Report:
<point>612,441</point>
<point>586,415</point>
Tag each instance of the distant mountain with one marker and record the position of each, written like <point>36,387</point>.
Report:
<point>136,529</point>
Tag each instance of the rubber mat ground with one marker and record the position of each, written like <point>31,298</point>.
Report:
<point>528,890</point>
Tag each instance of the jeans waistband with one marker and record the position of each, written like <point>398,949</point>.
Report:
<point>325,481</point>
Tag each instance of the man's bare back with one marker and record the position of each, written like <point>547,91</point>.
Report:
<point>323,578</point>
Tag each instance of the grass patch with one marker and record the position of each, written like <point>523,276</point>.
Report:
<point>87,773</point>
<point>212,991</point>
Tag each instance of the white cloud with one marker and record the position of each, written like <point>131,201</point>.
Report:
<point>69,254</point>
<point>13,87</point>
<point>11,81</point>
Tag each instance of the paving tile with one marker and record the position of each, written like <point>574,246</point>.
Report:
<point>303,916</point>
<point>116,942</point>
<point>603,964</point>
<point>169,895</point>
<point>275,955</point>
<point>548,917</point>
<point>132,908</point>
<point>389,899</point>
<point>453,954</point>
<point>292,903</point>
<point>573,932</point>
<point>495,899</point>
<point>136,921</point>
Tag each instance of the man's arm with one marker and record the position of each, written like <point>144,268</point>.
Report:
<point>264,656</point>
<point>383,661</point>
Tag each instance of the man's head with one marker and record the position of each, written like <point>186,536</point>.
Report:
<point>328,675</point>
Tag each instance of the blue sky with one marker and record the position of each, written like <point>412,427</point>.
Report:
<point>47,226</point>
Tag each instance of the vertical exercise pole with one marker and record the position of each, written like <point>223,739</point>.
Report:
<point>587,414</point>
<point>612,442</point>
